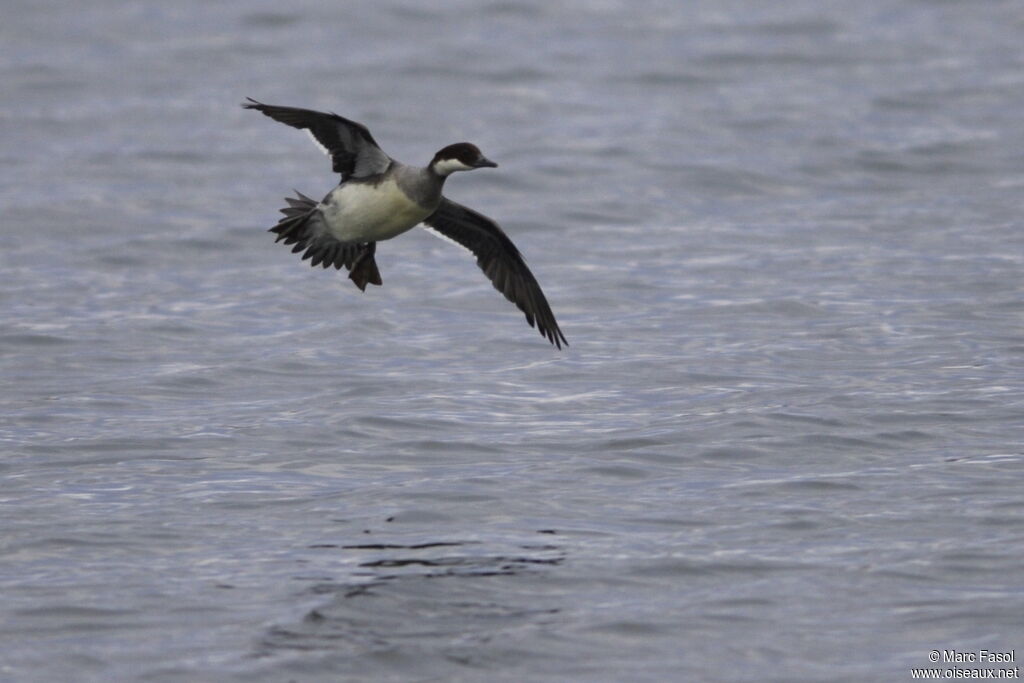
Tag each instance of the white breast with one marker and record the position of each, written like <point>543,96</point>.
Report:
<point>364,212</point>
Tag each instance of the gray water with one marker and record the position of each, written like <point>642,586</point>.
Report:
<point>784,241</point>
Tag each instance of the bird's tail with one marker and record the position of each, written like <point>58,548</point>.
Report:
<point>303,226</point>
<point>294,227</point>
<point>364,270</point>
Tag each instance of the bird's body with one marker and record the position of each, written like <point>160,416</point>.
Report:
<point>382,208</point>
<point>380,198</point>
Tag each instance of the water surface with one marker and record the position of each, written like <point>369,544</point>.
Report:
<point>784,242</point>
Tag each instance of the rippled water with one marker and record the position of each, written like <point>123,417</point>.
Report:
<point>784,241</point>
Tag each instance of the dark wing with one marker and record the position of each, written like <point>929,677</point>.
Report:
<point>353,150</point>
<point>500,261</point>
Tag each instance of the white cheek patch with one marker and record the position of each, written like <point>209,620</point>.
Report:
<point>446,238</point>
<point>446,166</point>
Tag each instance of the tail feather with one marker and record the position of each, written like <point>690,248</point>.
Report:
<point>366,273</point>
<point>294,227</point>
<point>364,270</point>
<point>302,228</point>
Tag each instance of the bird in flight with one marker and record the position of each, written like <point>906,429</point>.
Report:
<point>379,198</point>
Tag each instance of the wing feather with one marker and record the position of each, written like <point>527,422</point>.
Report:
<point>500,261</point>
<point>354,153</point>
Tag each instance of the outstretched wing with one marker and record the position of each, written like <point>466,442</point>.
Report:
<point>500,261</point>
<point>354,152</point>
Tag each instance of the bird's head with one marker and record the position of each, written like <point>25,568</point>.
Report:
<point>462,156</point>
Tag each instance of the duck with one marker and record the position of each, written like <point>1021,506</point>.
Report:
<point>379,198</point>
